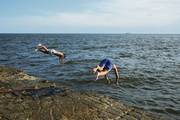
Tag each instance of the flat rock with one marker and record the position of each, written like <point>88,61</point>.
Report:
<point>49,101</point>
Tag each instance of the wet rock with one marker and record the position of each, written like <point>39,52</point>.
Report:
<point>11,74</point>
<point>27,100</point>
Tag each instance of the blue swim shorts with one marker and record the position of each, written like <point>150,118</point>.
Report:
<point>106,64</point>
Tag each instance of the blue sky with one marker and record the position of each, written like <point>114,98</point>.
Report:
<point>89,16</point>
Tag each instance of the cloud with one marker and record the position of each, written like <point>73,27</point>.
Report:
<point>143,12</point>
<point>109,13</point>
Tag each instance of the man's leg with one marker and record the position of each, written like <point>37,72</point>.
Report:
<point>116,73</point>
<point>60,55</point>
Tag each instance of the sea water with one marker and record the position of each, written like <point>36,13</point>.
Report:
<point>149,65</point>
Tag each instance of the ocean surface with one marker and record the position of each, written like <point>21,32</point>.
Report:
<point>149,65</point>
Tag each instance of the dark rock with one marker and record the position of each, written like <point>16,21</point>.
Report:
<point>53,101</point>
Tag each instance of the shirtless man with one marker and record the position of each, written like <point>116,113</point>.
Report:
<point>104,68</point>
<point>44,49</point>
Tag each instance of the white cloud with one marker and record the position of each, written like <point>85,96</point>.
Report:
<point>111,13</point>
<point>144,12</point>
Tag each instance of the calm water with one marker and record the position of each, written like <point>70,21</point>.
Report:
<point>149,65</point>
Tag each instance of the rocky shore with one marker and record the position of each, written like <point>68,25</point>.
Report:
<point>24,97</point>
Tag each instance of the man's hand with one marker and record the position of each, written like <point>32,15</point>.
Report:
<point>94,70</point>
<point>97,76</point>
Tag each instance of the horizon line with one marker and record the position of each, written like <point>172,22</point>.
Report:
<point>80,33</point>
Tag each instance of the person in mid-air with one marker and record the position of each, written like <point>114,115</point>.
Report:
<point>104,68</point>
<point>44,49</point>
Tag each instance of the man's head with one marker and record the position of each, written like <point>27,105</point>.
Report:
<point>94,70</point>
<point>39,44</point>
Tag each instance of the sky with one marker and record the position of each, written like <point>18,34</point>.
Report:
<point>90,16</point>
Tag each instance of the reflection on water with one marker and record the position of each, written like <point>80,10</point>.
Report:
<point>150,65</point>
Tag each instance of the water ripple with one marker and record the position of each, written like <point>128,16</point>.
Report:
<point>149,65</point>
